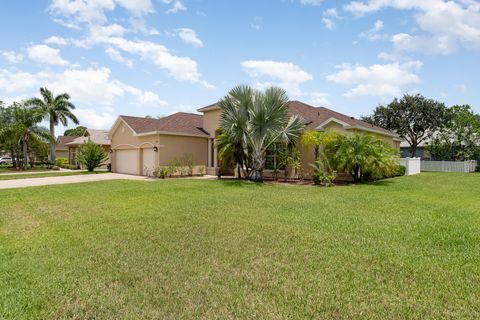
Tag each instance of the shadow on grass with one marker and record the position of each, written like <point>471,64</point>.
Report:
<point>239,183</point>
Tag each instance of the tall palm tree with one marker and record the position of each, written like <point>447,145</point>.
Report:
<point>55,109</point>
<point>23,126</point>
<point>234,126</point>
<point>255,120</point>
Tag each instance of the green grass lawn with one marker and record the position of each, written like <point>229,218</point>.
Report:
<point>9,169</point>
<point>46,174</point>
<point>405,248</point>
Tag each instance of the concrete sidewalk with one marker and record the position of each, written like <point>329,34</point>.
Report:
<point>35,182</point>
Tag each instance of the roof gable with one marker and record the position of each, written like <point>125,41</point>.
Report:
<point>181,123</point>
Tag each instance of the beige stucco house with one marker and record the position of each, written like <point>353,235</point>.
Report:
<point>100,137</point>
<point>139,145</point>
<point>61,149</point>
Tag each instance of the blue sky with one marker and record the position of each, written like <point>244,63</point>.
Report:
<point>155,57</point>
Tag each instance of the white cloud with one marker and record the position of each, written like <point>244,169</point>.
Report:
<point>284,74</point>
<point>12,56</point>
<point>44,54</point>
<point>150,98</point>
<point>319,98</point>
<point>115,55</point>
<point>180,68</point>
<point>92,11</point>
<point>378,79</point>
<point>56,40</point>
<point>95,119</point>
<point>311,2</point>
<point>329,17</point>
<point>373,33</point>
<point>89,86</point>
<point>447,24</point>
<point>432,45</point>
<point>328,23</point>
<point>137,7</point>
<point>189,36</point>
<point>177,6</point>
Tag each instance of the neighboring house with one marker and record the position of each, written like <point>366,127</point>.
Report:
<point>61,149</point>
<point>100,137</point>
<point>421,152</point>
<point>139,145</point>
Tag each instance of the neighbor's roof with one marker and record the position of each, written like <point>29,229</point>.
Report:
<point>177,123</point>
<point>62,141</point>
<point>316,116</point>
<point>98,136</point>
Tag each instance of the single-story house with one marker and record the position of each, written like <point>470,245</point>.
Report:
<point>100,137</point>
<point>421,152</point>
<point>139,145</point>
<point>61,149</point>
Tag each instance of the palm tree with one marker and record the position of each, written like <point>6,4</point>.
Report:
<point>23,127</point>
<point>55,109</point>
<point>364,156</point>
<point>233,123</point>
<point>254,121</point>
<point>313,138</point>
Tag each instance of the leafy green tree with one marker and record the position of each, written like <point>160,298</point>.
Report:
<point>414,118</point>
<point>24,129</point>
<point>460,139</point>
<point>363,156</point>
<point>253,121</point>
<point>55,109</point>
<point>91,155</point>
<point>75,132</point>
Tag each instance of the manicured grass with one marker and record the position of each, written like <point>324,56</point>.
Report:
<point>46,174</point>
<point>9,169</point>
<point>405,248</point>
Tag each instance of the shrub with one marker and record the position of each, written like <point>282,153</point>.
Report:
<point>321,176</point>
<point>91,155</point>
<point>202,170</point>
<point>56,168</point>
<point>61,162</point>
<point>172,167</point>
<point>401,171</point>
<point>363,156</point>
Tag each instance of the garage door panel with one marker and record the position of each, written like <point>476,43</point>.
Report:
<point>148,162</point>
<point>127,161</point>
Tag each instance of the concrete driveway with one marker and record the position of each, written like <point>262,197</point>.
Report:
<point>35,182</point>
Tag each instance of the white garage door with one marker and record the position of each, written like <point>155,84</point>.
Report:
<point>126,161</point>
<point>148,162</point>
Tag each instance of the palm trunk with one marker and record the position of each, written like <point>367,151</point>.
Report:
<point>258,162</point>
<point>51,156</point>
<point>25,151</point>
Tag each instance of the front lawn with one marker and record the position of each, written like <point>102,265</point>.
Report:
<point>10,169</point>
<point>405,248</point>
<point>46,174</point>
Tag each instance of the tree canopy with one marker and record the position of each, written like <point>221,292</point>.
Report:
<point>413,117</point>
<point>75,132</point>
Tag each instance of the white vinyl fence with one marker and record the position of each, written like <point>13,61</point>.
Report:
<point>412,165</point>
<point>449,166</point>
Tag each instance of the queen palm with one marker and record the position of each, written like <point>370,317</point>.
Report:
<point>256,120</point>
<point>23,126</point>
<point>55,109</point>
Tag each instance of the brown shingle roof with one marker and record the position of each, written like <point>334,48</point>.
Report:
<point>62,140</point>
<point>98,136</point>
<point>180,123</point>
<point>314,116</point>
